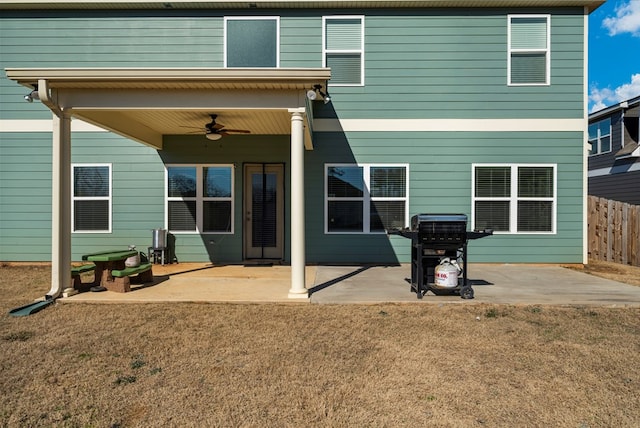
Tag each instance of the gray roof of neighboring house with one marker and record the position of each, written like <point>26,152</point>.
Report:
<point>622,106</point>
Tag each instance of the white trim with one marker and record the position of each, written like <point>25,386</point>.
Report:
<point>108,198</point>
<point>546,50</point>
<point>585,138</point>
<point>360,51</point>
<point>366,197</point>
<point>199,198</point>
<point>44,125</point>
<point>439,125</point>
<point>250,18</point>
<point>368,125</point>
<point>513,198</point>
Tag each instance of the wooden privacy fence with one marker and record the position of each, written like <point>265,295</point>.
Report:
<point>614,231</point>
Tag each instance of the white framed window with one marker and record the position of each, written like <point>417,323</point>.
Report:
<point>199,198</point>
<point>600,136</point>
<point>366,198</point>
<point>91,198</point>
<point>529,45</point>
<point>252,41</point>
<point>343,49</point>
<point>514,198</point>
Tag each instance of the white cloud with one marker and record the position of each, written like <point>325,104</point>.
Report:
<point>604,97</point>
<point>627,19</point>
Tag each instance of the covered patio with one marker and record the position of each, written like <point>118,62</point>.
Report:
<point>147,104</point>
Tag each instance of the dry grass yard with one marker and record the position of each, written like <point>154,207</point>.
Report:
<point>196,365</point>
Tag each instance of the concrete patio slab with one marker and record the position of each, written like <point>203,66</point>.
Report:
<point>492,283</point>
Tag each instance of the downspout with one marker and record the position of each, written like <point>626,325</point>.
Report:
<point>60,195</point>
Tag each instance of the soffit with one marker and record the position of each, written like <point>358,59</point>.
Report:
<point>293,4</point>
<point>145,104</point>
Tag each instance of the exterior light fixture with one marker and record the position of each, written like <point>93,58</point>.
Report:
<point>33,95</point>
<point>312,94</point>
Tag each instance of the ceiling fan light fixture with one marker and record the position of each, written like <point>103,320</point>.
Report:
<point>213,136</point>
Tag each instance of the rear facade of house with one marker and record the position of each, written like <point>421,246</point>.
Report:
<point>429,109</point>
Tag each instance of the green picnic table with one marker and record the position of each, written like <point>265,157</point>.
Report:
<point>111,271</point>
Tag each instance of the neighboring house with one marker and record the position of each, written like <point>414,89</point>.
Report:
<point>614,159</point>
<point>349,118</point>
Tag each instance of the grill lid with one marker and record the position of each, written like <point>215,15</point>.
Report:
<point>423,219</point>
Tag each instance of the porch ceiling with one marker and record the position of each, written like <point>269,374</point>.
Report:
<point>146,104</point>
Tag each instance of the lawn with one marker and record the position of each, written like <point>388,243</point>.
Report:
<point>463,364</point>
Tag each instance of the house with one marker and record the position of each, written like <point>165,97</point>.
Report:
<point>614,159</point>
<point>294,131</point>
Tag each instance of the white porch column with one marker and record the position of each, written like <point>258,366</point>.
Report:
<point>61,204</point>
<point>298,258</point>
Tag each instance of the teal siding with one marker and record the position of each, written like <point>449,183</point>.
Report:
<point>440,181</point>
<point>137,191</point>
<point>420,64</point>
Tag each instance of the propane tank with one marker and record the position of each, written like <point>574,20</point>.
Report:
<point>133,261</point>
<point>446,274</point>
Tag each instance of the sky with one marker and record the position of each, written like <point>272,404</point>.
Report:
<point>614,53</point>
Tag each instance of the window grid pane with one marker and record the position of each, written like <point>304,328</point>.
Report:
<point>216,216</point>
<point>216,182</point>
<point>91,181</point>
<point>181,182</point>
<point>535,216</point>
<point>345,216</point>
<point>90,215</point>
<point>182,216</point>
<point>386,215</point>
<point>252,43</point>
<point>529,67</point>
<point>343,34</point>
<point>535,182</point>
<point>344,182</point>
<point>388,182</point>
<point>493,182</point>
<point>529,33</point>
<point>492,215</point>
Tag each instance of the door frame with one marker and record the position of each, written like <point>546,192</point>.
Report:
<point>277,253</point>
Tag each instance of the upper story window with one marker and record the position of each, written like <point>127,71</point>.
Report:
<point>200,198</point>
<point>91,198</point>
<point>252,41</point>
<point>600,136</point>
<point>343,49</point>
<point>529,50</point>
<point>365,198</point>
<point>514,198</point>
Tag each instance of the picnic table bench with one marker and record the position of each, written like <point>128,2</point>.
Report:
<point>113,274</point>
<point>76,271</point>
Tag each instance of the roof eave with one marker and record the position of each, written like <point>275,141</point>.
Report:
<point>70,76</point>
<point>288,4</point>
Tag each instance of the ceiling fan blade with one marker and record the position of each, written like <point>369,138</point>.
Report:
<point>236,131</point>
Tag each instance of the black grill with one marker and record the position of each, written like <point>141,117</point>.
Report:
<point>434,237</point>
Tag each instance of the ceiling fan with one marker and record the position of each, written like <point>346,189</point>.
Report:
<point>215,131</point>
